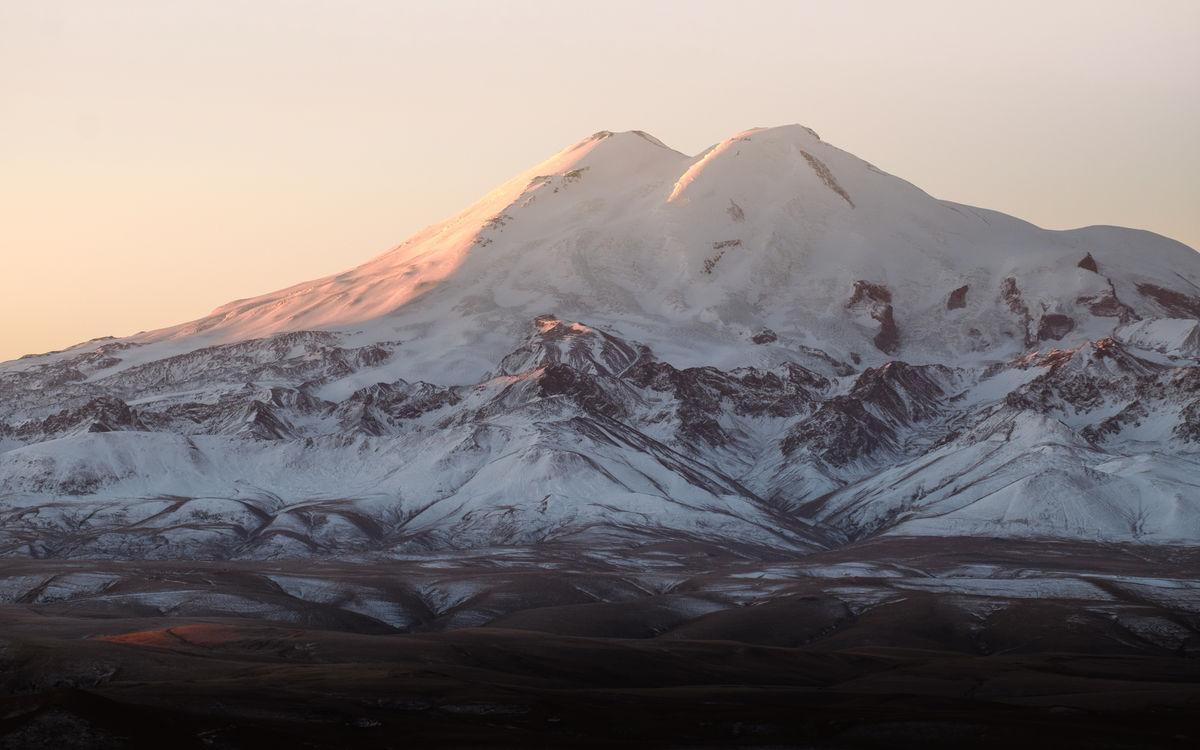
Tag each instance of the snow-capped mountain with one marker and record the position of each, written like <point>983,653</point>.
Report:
<point>770,346</point>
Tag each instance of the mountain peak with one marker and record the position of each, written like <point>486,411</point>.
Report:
<point>731,314</point>
<point>622,135</point>
<point>794,131</point>
<point>772,228</point>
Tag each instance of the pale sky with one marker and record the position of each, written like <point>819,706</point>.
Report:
<point>159,158</point>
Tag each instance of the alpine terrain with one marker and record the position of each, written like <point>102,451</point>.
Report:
<point>626,395</point>
<point>771,344</point>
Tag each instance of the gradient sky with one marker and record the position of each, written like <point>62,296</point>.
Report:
<point>159,158</point>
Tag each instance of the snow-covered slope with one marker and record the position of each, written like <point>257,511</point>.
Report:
<point>771,345</point>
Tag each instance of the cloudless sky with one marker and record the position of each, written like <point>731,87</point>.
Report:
<point>159,158</point>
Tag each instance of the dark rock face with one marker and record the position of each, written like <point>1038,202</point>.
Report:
<point>906,393</point>
<point>582,389</point>
<point>1088,263</point>
<point>876,299</point>
<point>1131,415</point>
<point>826,176</point>
<point>1053,326</point>
<point>585,348</point>
<point>701,395</point>
<point>883,401</point>
<point>1086,377</point>
<point>1108,305</point>
<point>382,408</point>
<point>605,377</point>
<point>865,290</point>
<point>888,338</point>
<point>260,421</point>
<point>719,249</point>
<point>765,336</point>
<point>1189,423</point>
<point>1148,384</point>
<point>1176,304</point>
<point>841,431</point>
<point>101,414</point>
<point>1011,294</point>
<point>301,356</point>
<point>958,298</point>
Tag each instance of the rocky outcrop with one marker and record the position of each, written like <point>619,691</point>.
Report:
<point>1188,427</point>
<point>1176,304</point>
<point>1174,337</point>
<point>904,393</point>
<point>884,403</point>
<point>876,301</point>
<point>1011,294</point>
<point>581,388</point>
<point>826,176</point>
<point>842,431</point>
<point>719,250</point>
<point>958,298</point>
<point>1106,304</point>
<point>101,414</point>
<point>260,421</point>
<point>1088,263</point>
<point>555,341</point>
<point>1053,326</point>
<point>581,429</point>
<point>383,408</point>
<point>700,396</point>
<point>1130,416</point>
<point>1086,378</point>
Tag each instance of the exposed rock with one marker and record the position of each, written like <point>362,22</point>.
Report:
<point>1085,378</point>
<point>261,422</point>
<point>1089,264</point>
<point>1108,305</point>
<point>906,393</point>
<point>765,336</point>
<point>382,408</point>
<point>1175,303</point>
<point>888,338</point>
<point>876,300</point>
<point>865,290</point>
<point>1131,415</point>
<point>1188,427</point>
<point>1053,326</point>
<point>101,414</point>
<point>958,298</point>
<point>584,348</point>
<point>581,388</point>
<point>610,432</point>
<point>883,401</point>
<point>1011,294</point>
<point>826,176</point>
<point>841,431</point>
<point>1174,337</point>
<point>752,390</point>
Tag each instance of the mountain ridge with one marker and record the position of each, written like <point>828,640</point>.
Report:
<point>771,347</point>
<point>392,281</point>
